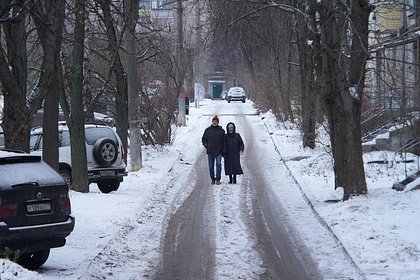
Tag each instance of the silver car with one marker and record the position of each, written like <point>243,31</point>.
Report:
<point>104,150</point>
<point>236,94</point>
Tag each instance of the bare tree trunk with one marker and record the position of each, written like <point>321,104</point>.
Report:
<point>290,88</point>
<point>417,55</point>
<point>50,121</point>
<point>334,76</point>
<point>197,67</point>
<point>189,73</point>
<point>49,19</point>
<point>114,46</point>
<point>418,67</point>
<point>77,116</point>
<point>180,61</point>
<point>131,14</point>
<point>355,177</point>
<point>13,78</point>
<point>343,83</point>
<point>88,99</point>
<point>308,95</point>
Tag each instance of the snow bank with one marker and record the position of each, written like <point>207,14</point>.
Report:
<point>380,230</point>
<point>11,271</point>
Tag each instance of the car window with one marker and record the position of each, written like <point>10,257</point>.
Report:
<point>33,142</point>
<point>95,133</point>
<point>23,172</point>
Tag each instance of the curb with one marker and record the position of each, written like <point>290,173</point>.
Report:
<point>317,215</point>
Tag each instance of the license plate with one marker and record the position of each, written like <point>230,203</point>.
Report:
<point>107,173</point>
<point>39,207</point>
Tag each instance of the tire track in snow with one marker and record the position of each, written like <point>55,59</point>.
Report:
<point>188,244</point>
<point>308,233</point>
<point>283,253</point>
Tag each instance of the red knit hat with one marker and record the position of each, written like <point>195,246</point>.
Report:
<point>215,118</point>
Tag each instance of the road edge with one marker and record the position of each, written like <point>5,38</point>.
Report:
<point>307,199</point>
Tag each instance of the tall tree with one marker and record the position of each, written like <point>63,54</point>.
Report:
<point>131,17</point>
<point>344,60</point>
<point>49,17</point>
<point>13,78</point>
<point>307,39</point>
<point>114,46</point>
<point>77,114</point>
<point>180,71</point>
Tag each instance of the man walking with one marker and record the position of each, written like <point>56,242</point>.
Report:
<point>212,140</point>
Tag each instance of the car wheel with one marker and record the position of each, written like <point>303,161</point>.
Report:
<point>66,174</point>
<point>243,100</point>
<point>107,186</point>
<point>105,151</point>
<point>33,260</point>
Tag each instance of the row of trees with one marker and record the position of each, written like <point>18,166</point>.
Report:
<point>85,55</point>
<point>306,59</point>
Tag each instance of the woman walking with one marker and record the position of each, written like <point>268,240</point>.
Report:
<point>213,140</point>
<point>234,146</point>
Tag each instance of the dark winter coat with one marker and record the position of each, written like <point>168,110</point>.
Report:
<point>212,140</point>
<point>233,146</point>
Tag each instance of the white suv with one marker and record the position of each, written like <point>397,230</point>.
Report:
<point>236,93</point>
<point>104,150</point>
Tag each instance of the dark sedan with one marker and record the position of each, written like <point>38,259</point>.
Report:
<point>35,211</point>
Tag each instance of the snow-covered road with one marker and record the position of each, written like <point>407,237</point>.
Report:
<point>122,235</point>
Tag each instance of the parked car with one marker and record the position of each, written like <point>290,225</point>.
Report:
<point>98,118</point>
<point>104,151</point>
<point>35,211</point>
<point>236,94</point>
<point>223,95</point>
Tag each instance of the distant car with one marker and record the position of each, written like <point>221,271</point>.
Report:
<point>35,211</point>
<point>236,94</point>
<point>104,151</point>
<point>223,96</point>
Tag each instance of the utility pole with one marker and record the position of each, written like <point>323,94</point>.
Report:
<point>131,12</point>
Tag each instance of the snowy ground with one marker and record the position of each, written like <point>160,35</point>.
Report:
<point>380,230</point>
<point>118,235</point>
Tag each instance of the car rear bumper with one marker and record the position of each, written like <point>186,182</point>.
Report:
<point>236,98</point>
<point>35,237</point>
<point>96,175</point>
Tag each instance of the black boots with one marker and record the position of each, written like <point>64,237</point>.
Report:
<point>232,179</point>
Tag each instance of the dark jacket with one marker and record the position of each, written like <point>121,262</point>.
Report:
<point>233,146</point>
<point>212,140</point>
